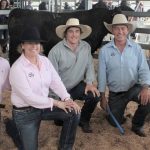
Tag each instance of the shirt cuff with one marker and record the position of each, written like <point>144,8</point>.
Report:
<point>67,98</point>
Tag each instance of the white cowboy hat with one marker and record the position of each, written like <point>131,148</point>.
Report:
<point>120,19</point>
<point>85,29</point>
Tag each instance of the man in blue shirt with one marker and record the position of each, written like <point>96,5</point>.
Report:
<point>124,69</point>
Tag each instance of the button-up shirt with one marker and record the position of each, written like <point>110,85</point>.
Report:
<point>120,71</point>
<point>4,74</point>
<point>30,85</point>
<point>73,67</point>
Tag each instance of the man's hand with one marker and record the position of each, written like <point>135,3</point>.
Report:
<point>93,89</point>
<point>103,103</point>
<point>145,95</point>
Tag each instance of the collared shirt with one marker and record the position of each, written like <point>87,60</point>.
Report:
<point>73,67</point>
<point>4,74</point>
<point>120,71</point>
<point>30,85</point>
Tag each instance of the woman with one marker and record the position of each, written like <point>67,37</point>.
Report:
<point>31,77</point>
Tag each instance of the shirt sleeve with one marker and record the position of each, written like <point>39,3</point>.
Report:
<point>143,68</point>
<point>90,72</point>
<point>21,87</point>
<point>57,85</point>
<point>6,85</point>
<point>101,71</point>
<point>53,56</point>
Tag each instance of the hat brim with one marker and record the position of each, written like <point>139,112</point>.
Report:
<point>86,30</point>
<point>131,26</point>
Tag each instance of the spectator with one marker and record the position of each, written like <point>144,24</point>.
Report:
<point>42,6</point>
<point>29,6</point>
<point>67,7</point>
<point>3,19</point>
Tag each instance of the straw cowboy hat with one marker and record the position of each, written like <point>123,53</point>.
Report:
<point>120,19</point>
<point>85,29</point>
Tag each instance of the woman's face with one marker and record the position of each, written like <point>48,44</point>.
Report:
<point>3,4</point>
<point>31,49</point>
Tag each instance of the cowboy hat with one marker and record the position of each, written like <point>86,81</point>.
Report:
<point>31,34</point>
<point>85,29</point>
<point>120,19</point>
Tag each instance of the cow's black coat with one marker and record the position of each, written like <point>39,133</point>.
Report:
<point>48,21</point>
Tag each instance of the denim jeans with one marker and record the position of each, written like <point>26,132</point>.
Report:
<point>78,92</point>
<point>118,102</point>
<point>28,123</point>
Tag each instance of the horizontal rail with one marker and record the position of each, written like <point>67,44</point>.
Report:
<point>2,27</point>
<point>4,12</point>
<point>142,30</point>
<point>136,14</point>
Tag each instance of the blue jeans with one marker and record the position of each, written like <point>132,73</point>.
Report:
<point>28,122</point>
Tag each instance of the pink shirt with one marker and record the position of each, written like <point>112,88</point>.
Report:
<point>4,74</point>
<point>30,85</point>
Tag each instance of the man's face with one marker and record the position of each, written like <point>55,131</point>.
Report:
<point>120,32</point>
<point>73,35</point>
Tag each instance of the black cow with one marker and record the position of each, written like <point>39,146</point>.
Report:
<point>48,21</point>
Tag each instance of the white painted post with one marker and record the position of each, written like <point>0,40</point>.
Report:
<point>88,4</point>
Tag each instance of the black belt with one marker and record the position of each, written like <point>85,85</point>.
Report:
<point>21,108</point>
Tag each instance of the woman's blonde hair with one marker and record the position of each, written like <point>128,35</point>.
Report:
<point>20,50</point>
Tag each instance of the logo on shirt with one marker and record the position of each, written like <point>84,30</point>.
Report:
<point>31,74</point>
<point>113,54</point>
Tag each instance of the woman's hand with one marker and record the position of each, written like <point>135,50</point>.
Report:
<point>68,106</point>
<point>74,106</point>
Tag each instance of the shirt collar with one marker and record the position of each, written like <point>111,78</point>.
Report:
<point>112,44</point>
<point>66,44</point>
<point>26,62</point>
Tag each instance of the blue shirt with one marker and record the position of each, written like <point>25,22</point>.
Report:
<point>120,71</point>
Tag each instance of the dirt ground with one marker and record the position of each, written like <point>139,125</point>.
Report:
<point>104,136</point>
